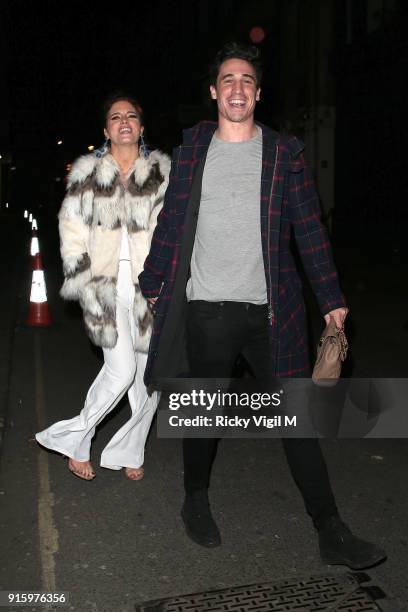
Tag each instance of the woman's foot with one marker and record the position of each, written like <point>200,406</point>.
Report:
<point>134,473</point>
<point>82,469</point>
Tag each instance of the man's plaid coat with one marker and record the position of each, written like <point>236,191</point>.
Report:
<point>288,203</point>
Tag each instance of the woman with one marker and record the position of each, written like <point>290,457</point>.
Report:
<point>106,223</point>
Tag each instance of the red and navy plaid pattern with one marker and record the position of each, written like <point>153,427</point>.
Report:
<point>288,203</point>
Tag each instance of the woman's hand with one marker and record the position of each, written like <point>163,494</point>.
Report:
<point>339,315</point>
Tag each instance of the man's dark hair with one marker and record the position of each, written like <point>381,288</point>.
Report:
<point>118,96</point>
<point>237,50</point>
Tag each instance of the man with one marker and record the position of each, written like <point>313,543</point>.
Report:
<point>220,268</point>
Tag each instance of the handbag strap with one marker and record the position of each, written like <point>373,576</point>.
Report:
<point>343,343</point>
<point>340,336</point>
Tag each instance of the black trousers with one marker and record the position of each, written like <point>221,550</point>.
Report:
<point>217,333</point>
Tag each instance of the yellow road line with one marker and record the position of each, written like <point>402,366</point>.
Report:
<point>48,533</point>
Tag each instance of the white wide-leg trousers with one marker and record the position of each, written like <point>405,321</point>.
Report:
<point>122,371</point>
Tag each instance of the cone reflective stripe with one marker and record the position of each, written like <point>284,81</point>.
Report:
<point>38,292</point>
<point>38,314</point>
<point>35,247</point>
<point>34,224</point>
<point>30,218</point>
<point>25,214</point>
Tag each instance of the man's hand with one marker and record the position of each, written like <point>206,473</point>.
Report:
<point>152,301</point>
<point>339,316</point>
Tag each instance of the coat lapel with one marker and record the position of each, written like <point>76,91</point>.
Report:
<point>271,201</point>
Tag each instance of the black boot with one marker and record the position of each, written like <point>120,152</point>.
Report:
<point>338,546</point>
<point>198,521</point>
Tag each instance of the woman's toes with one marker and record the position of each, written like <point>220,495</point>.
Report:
<point>134,473</point>
<point>82,469</point>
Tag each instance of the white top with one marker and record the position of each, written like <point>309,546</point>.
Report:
<point>124,254</point>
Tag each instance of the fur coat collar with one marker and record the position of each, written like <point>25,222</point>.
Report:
<point>104,201</point>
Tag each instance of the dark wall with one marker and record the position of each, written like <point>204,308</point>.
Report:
<point>371,135</point>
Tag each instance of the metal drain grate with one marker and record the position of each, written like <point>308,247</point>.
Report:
<point>325,593</point>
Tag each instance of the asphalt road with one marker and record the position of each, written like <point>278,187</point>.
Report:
<point>112,542</point>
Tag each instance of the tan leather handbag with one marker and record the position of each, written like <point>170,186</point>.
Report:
<point>331,352</point>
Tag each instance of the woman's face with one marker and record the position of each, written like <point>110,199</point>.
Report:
<point>123,124</point>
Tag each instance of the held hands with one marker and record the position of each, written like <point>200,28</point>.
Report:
<point>339,316</point>
<point>151,302</point>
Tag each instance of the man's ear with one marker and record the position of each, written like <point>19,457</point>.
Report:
<point>258,94</point>
<point>213,92</point>
<point>105,133</point>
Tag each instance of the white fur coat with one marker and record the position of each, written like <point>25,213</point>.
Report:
<point>95,207</point>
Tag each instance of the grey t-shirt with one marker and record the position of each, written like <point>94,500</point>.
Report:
<point>227,263</point>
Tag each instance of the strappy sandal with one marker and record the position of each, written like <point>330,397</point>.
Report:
<point>76,472</point>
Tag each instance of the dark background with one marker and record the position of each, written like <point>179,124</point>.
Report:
<point>335,73</point>
<point>335,77</point>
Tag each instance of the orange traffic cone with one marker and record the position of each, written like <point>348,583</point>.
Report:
<point>38,314</point>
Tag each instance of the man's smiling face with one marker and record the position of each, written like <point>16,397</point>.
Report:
<point>236,90</point>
